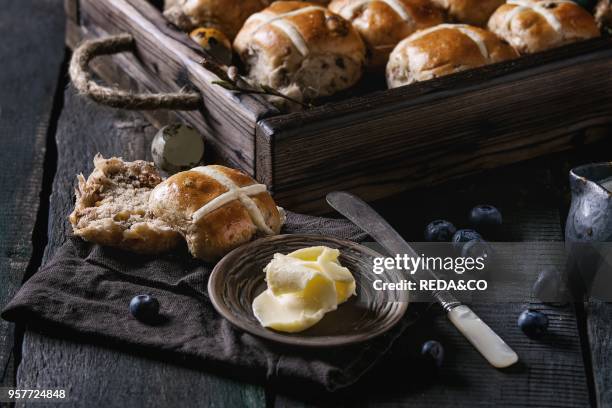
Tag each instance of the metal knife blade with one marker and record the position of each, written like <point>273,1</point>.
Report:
<point>366,218</point>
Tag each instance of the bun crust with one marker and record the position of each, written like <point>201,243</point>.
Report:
<point>474,12</point>
<point>532,26</point>
<point>443,50</point>
<point>216,209</point>
<point>301,49</point>
<point>224,15</point>
<point>227,16</point>
<point>112,207</point>
<point>384,23</point>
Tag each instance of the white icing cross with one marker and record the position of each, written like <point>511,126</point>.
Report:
<point>397,6</point>
<point>464,29</point>
<point>278,21</point>
<point>233,193</point>
<point>536,6</point>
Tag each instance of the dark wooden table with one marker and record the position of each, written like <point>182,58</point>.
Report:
<point>50,134</point>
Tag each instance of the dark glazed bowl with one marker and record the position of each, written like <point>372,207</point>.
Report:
<point>238,278</point>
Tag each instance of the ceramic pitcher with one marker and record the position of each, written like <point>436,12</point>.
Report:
<point>590,215</point>
<point>588,231</point>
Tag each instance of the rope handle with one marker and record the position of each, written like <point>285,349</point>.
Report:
<point>116,98</point>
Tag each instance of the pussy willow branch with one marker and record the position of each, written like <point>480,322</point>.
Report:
<point>236,83</point>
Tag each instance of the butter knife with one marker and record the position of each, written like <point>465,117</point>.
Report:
<point>478,333</point>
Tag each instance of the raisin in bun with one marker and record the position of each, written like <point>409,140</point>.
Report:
<point>112,207</point>
<point>532,26</point>
<point>443,50</point>
<point>216,209</point>
<point>301,49</point>
<point>474,12</point>
<point>384,23</point>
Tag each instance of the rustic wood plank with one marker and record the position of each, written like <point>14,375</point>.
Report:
<point>71,8</point>
<point>31,57</point>
<point>95,374</point>
<point>599,322</point>
<point>167,60</point>
<point>551,373</point>
<point>429,133</point>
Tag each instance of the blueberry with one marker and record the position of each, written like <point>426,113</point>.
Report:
<point>486,218</point>
<point>477,248</point>
<point>439,231</point>
<point>144,308</point>
<point>465,235</point>
<point>533,323</point>
<point>434,350</point>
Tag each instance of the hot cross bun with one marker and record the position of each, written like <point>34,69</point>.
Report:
<point>443,50</point>
<point>224,15</point>
<point>474,12</point>
<point>532,26</point>
<point>301,49</point>
<point>216,209</point>
<point>384,23</point>
<point>228,16</point>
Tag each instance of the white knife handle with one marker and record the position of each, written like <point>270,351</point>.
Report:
<point>486,341</point>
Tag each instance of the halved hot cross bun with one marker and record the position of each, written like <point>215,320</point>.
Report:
<point>443,50</point>
<point>384,23</point>
<point>531,26</point>
<point>112,207</point>
<point>216,209</point>
<point>301,49</point>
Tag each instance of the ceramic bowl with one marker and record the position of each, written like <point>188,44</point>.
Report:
<point>238,278</point>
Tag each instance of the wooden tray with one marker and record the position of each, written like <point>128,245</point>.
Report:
<point>376,144</point>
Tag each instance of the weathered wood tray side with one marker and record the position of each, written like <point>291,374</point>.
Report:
<point>166,60</point>
<point>374,145</point>
<point>442,129</point>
